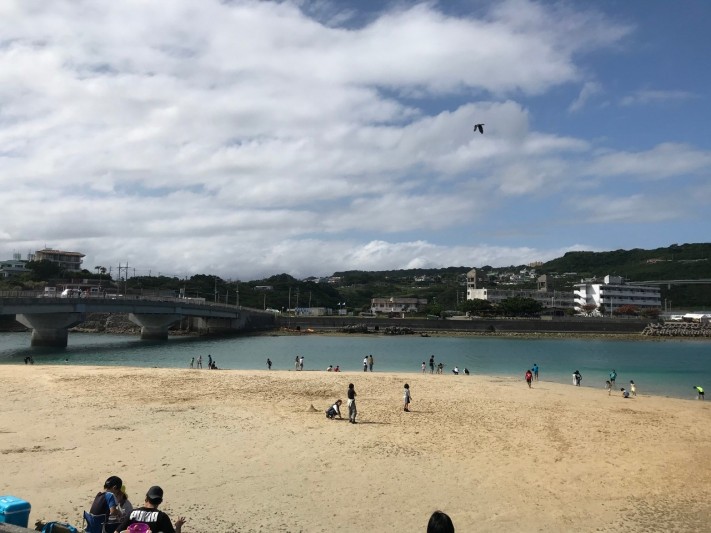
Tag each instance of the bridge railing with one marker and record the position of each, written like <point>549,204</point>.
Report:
<point>122,297</point>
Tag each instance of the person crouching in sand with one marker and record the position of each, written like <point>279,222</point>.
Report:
<point>334,410</point>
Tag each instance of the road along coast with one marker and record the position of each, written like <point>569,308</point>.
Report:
<point>253,450</point>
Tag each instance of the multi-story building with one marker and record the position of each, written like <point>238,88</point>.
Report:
<point>66,260</point>
<point>397,305</point>
<point>544,294</point>
<point>13,267</point>
<point>613,293</point>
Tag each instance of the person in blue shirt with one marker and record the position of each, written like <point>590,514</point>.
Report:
<point>613,376</point>
<point>535,371</point>
<point>105,503</point>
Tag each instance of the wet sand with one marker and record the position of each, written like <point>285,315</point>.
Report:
<point>244,450</point>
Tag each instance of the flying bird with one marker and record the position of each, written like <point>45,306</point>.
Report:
<point>479,127</point>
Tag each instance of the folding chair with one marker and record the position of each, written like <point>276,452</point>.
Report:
<point>94,522</point>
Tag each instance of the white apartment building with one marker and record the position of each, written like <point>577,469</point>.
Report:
<point>397,305</point>
<point>614,293</point>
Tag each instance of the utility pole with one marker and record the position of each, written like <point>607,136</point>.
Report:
<point>125,277</point>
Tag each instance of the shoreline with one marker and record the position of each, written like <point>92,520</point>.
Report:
<point>252,450</point>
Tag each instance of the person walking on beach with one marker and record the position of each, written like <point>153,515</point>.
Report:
<point>608,387</point>
<point>352,411</point>
<point>432,364</point>
<point>529,378</point>
<point>269,364</point>
<point>370,362</point>
<point>577,378</point>
<point>192,363</point>
<point>199,361</point>
<point>296,363</point>
<point>613,376</point>
<point>365,364</point>
<point>407,398</point>
<point>301,362</point>
<point>209,361</point>
<point>699,392</point>
<point>633,388</point>
<point>535,371</point>
<point>424,366</point>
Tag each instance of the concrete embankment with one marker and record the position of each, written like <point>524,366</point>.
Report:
<point>503,326</point>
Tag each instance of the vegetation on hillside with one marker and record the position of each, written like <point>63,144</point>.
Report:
<point>444,288</point>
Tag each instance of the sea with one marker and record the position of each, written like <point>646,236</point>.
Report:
<point>663,368</point>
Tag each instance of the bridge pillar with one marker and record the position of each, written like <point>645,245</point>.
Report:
<point>154,326</point>
<point>206,325</point>
<point>50,329</point>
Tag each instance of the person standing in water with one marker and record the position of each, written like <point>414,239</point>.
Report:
<point>535,371</point>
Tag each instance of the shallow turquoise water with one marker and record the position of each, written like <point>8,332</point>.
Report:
<point>668,368</point>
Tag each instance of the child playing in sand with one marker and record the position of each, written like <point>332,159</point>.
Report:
<point>407,398</point>
<point>608,387</point>
<point>334,410</point>
<point>625,394</point>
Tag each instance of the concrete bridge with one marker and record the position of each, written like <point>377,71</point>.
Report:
<point>50,318</point>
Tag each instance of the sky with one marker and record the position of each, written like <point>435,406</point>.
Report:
<point>246,138</point>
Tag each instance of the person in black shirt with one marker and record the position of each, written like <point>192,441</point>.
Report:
<point>158,521</point>
<point>105,503</point>
<point>352,411</point>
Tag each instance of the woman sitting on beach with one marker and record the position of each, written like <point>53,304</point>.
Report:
<point>124,506</point>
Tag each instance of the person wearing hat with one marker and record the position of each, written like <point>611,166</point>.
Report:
<point>158,521</point>
<point>105,502</point>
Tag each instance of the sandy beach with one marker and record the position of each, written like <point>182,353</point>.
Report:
<point>243,451</point>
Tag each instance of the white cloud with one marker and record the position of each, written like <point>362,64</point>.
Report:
<point>646,97</point>
<point>664,161</point>
<point>253,137</point>
<point>590,89</point>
